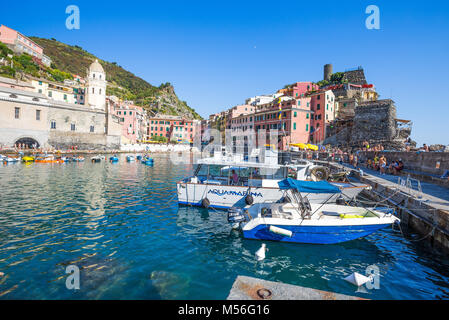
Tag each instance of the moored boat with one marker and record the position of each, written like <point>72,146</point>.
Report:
<point>113,159</point>
<point>96,159</point>
<point>130,159</point>
<point>148,161</point>
<point>223,183</point>
<point>297,220</point>
<point>7,160</point>
<point>78,159</point>
<point>48,159</point>
<point>28,159</point>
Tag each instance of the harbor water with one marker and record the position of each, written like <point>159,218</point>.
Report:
<point>120,224</point>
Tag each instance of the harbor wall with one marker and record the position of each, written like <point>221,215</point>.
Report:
<point>423,213</point>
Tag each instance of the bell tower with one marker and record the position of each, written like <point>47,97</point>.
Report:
<point>96,87</point>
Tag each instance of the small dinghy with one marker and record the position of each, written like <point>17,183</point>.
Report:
<point>28,159</point>
<point>148,161</point>
<point>48,159</point>
<point>96,159</point>
<point>78,159</point>
<point>297,220</point>
<point>113,159</point>
<point>130,159</point>
<point>7,160</point>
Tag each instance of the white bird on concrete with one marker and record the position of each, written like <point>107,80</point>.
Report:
<point>357,279</point>
<point>260,254</point>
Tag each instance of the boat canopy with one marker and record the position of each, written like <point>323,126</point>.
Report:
<point>308,186</point>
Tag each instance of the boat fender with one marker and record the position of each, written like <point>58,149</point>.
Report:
<point>249,200</point>
<point>205,203</point>
<point>281,232</point>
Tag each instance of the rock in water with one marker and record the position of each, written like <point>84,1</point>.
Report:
<point>170,286</point>
<point>357,279</point>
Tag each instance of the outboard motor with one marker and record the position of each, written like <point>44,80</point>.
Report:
<point>235,217</point>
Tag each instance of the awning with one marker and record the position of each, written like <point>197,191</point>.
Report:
<point>308,186</point>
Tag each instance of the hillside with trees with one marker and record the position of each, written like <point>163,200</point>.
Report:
<point>68,60</point>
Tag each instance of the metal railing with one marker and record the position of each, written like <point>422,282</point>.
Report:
<point>413,186</point>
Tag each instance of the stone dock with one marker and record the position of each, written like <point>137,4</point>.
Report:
<point>424,213</point>
<point>247,288</point>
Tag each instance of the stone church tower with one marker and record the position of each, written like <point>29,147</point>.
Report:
<point>96,87</point>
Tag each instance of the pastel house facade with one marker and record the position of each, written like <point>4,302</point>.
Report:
<point>173,128</point>
<point>133,123</point>
<point>21,44</point>
<point>291,119</point>
<point>322,104</point>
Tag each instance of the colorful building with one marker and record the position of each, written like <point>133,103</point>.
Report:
<point>173,128</point>
<point>299,89</point>
<point>290,117</point>
<point>18,43</point>
<point>133,120</point>
<point>59,92</point>
<point>322,104</point>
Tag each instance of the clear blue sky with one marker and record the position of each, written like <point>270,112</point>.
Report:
<point>218,53</point>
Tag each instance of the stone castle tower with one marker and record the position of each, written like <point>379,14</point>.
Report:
<point>328,69</point>
<point>96,86</point>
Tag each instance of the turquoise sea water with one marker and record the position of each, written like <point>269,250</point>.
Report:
<point>118,224</point>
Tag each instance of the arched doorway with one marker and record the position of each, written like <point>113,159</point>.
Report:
<point>28,143</point>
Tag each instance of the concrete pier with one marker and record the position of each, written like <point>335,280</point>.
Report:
<point>247,288</point>
<point>424,213</point>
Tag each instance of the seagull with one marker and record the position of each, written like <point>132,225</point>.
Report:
<point>357,279</point>
<point>260,254</point>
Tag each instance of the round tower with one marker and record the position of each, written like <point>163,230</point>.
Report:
<point>327,71</point>
<point>96,86</point>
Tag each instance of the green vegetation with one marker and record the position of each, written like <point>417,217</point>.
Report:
<point>122,83</point>
<point>25,64</point>
<point>336,78</point>
<point>4,50</point>
<point>159,139</point>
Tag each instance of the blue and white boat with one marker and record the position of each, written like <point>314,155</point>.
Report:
<point>130,159</point>
<point>10,160</point>
<point>148,161</point>
<point>113,159</point>
<point>223,182</point>
<point>295,219</point>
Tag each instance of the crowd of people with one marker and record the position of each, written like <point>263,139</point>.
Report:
<point>377,161</point>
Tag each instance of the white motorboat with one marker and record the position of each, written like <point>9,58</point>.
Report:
<point>297,220</point>
<point>225,182</point>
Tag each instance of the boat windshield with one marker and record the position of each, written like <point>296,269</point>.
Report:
<point>237,175</point>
